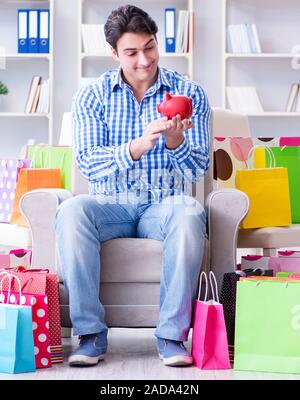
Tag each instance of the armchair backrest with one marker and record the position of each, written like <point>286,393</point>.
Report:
<point>224,123</point>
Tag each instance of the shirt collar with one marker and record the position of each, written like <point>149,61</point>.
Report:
<point>117,80</point>
<point>162,79</point>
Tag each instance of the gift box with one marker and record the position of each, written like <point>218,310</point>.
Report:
<point>16,258</point>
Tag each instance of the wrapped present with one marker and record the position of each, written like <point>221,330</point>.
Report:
<point>279,263</point>
<point>16,258</point>
<point>289,253</point>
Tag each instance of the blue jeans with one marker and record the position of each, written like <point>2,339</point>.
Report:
<point>84,221</point>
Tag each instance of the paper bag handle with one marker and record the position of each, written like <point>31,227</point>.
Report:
<point>48,159</point>
<point>267,148</point>
<point>214,288</point>
<point>200,285</point>
<point>11,277</point>
<point>4,274</point>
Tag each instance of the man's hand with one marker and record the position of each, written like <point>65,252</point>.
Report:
<point>148,141</point>
<point>174,132</point>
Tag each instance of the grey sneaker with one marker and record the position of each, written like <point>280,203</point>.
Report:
<point>173,353</point>
<point>92,348</point>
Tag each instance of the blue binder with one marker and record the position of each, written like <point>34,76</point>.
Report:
<point>22,31</point>
<point>170,29</point>
<point>44,21</point>
<point>33,22</point>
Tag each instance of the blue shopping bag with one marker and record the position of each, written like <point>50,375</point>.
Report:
<point>16,339</point>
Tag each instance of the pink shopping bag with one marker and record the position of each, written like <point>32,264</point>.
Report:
<point>209,339</point>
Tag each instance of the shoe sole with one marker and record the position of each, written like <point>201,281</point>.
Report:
<point>177,361</point>
<point>81,360</point>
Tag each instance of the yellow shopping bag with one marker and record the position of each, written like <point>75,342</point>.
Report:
<point>268,192</point>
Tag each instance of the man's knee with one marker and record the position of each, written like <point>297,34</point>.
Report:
<point>186,209</point>
<point>73,209</point>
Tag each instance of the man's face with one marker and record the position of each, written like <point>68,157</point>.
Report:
<point>138,56</point>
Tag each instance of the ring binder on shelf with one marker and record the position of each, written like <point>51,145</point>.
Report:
<point>44,31</point>
<point>22,31</point>
<point>170,22</point>
<point>33,31</point>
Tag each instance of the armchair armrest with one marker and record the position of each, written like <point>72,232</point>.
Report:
<point>39,208</point>
<point>226,208</point>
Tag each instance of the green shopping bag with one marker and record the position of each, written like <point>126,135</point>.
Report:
<point>289,157</point>
<point>267,330</point>
<point>53,157</point>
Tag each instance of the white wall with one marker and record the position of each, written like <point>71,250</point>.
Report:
<point>208,57</point>
<point>207,51</point>
<point>65,59</point>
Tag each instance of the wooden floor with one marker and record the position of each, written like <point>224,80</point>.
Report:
<point>132,356</point>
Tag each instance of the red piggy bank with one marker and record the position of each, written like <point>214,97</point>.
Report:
<point>174,105</point>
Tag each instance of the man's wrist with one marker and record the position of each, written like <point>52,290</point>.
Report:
<point>173,143</point>
<point>136,149</point>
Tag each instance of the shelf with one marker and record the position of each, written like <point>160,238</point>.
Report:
<point>19,56</point>
<point>92,64</point>
<point>20,114</point>
<point>90,55</point>
<point>18,70</point>
<point>170,55</point>
<point>275,114</point>
<point>176,55</point>
<point>24,1</point>
<point>262,55</point>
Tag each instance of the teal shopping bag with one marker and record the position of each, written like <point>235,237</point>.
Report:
<point>267,325</point>
<point>16,339</point>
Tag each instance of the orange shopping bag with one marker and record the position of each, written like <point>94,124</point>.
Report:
<point>30,179</point>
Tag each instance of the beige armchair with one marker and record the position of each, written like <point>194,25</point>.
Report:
<point>130,268</point>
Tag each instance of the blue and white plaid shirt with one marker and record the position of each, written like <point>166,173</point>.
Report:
<point>107,116</point>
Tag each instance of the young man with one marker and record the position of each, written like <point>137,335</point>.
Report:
<point>139,167</point>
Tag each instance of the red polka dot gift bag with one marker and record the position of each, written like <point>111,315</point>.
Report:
<point>40,317</point>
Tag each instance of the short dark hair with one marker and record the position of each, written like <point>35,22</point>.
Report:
<point>128,19</point>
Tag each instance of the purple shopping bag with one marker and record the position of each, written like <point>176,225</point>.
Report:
<point>9,173</point>
<point>209,339</point>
